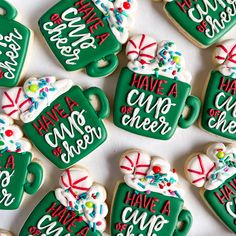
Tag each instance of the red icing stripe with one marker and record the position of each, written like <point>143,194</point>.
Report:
<point>130,161</point>
<point>142,166</point>
<point>131,52</point>
<point>125,167</point>
<point>12,112</point>
<point>142,39</point>
<point>80,180</point>
<point>23,103</point>
<point>137,161</point>
<point>222,47</point>
<point>140,173</point>
<point>18,95</point>
<point>197,180</point>
<point>133,43</point>
<point>148,46</point>
<point>201,165</point>
<point>9,98</point>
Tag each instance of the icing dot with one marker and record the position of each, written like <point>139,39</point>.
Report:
<point>126,5</point>
<point>220,154</point>
<point>98,223</point>
<point>156,169</point>
<point>33,88</point>
<point>8,133</point>
<point>89,204</point>
<point>176,59</point>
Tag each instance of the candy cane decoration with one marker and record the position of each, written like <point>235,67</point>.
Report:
<point>76,181</point>
<point>225,53</point>
<point>199,169</point>
<point>136,163</point>
<point>14,102</point>
<point>141,48</point>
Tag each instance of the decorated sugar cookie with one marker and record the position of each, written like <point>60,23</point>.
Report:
<point>149,201</point>
<point>219,107</point>
<point>76,208</point>
<point>16,166</point>
<point>58,117</point>
<point>154,89</point>
<point>88,33</point>
<point>14,46</point>
<point>5,233</point>
<point>204,22</point>
<point>215,173</point>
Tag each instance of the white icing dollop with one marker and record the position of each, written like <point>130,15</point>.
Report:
<point>212,169</point>
<point>147,57</point>
<point>225,58</point>
<point>11,136</point>
<point>120,16</point>
<point>149,174</point>
<point>27,102</point>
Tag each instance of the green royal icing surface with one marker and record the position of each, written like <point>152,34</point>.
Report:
<point>14,42</point>
<point>72,133</point>
<point>15,168</point>
<point>51,218</point>
<point>163,102</point>
<point>222,198</point>
<point>208,26</point>
<point>152,213</point>
<point>218,115</point>
<point>81,38</point>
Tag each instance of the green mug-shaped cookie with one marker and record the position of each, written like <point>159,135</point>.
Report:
<point>87,34</point>
<point>153,92</point>
<point>59,118</point>
<point>149,201</point>
<point>15,171</point>
<point>78,207</point>
<point>15,40</point>
<point>214,172</point>
<point>18,174</point>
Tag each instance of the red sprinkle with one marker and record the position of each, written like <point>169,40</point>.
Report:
<point>9,133</point>
<point>156,169</point>
<point>98,223</point>
<point>126,5</point>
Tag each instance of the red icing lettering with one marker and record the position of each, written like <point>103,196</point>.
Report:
<point>11,162</point>
<point>173,90</point>
<point>128,198</point>
<point>226,194</point>
<point>166,208</point>
<point>227,85</point>
<point>47,121</point>
<point>71,103</point>
<point>153,204</point>
<point>159,88</point>
<point>83,232</point>
<point>40,127</point>
<point>185,3</point>
<point>102,38</point>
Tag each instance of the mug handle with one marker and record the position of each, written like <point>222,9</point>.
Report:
<point>194,105</point>
<point>104,109</point>
<point>37,171</point>
<point>10,11</point>
<point>94,70</point>
<point>185,217</point>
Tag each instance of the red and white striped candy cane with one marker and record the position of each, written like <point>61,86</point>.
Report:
<point>14,102</point>
<point>136,163</point>
<point>76,181</point>
<point>141,48</point>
